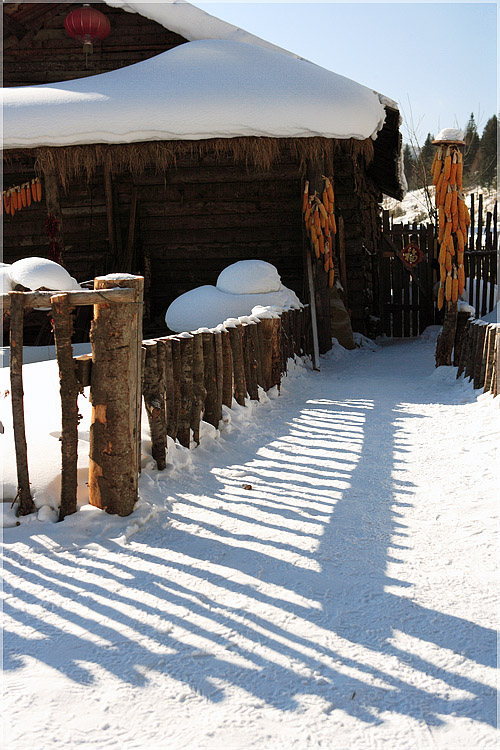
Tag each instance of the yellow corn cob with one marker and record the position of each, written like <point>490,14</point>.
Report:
<point>442,254</point>
<point>453,170</point>
<point>317,221</point>
<point>448,261</point>
<point>331,261</point>
<point>442,273</point>
<point>454,222</point>
<point>443,192</point>
<point>316,248</point>
<point>451,246</point>
<point>326,264</point>
<point>460,239</point>
<point>440,301</point>
<point>331,276</point>
<point>333,225</point>
<point>305,196</point>
<point>460,170</point>
<point>441,217</point>
<point>447,288</point>
<point>447,164</point>
<point>460,257</point>
<point>314,234</point>
<point>438,189</point>
<point>447,232</point>
<point>321,241</point>
<point>447,202</point>
<point>454,202</point>
<point>461,279</point>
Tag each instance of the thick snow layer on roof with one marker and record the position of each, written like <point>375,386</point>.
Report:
<point>192,23</point>
<point>202,89</point>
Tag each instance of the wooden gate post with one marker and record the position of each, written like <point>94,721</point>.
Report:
<point>116,338</point>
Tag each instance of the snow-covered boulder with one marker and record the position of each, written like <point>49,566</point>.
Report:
<point>249,277</point>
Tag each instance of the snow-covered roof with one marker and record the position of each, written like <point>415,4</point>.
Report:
<point>202,89</point>
<point>192,23</point>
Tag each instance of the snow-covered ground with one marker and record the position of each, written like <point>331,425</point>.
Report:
<point>320,573</point>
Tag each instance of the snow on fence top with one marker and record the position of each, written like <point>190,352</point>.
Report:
<point>198,90</point>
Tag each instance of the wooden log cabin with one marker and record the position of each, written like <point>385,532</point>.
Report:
<point>178,206</point>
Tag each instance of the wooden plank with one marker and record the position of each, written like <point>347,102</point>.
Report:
<point>84,297</point>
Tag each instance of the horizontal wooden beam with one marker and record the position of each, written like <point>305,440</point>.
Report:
<point>75,299</point>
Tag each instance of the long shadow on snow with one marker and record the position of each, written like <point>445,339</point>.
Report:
<point>219,583</point>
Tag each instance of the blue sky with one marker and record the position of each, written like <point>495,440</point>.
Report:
<point>437,60</point>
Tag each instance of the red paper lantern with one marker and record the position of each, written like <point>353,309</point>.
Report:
<point>87,24</point>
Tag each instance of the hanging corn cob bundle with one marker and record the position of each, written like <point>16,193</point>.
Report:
<point>453,219</point>
<point>319,220</point>
<point>20,196</point>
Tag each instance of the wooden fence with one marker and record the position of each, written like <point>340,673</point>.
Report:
<point>406,300</point>
<point>182,378</point>
<point>477,354</point>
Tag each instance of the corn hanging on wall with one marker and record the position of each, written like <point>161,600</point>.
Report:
<point>320,224</point>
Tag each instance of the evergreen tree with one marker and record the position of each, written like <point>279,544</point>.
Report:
<point>471,154</point>
<point>426,158</point>
<point>409,167</point>
<point>488,153</point>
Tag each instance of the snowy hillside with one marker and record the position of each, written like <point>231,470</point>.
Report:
<point>414,207</point>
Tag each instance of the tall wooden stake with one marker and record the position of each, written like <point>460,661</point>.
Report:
<point>70,390</point>
<point>25,502</point>
<point>116,337</point>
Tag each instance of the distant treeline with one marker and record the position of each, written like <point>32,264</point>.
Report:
<point>480,157</point>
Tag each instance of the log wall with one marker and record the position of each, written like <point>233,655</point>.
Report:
<point>38,50</point>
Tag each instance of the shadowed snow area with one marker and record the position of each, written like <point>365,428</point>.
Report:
<point>321,574</point>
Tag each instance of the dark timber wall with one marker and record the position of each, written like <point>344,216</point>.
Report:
<point>37,48</point>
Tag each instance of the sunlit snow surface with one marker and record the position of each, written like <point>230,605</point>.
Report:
<point>202,89</point>
<point>320,572</point>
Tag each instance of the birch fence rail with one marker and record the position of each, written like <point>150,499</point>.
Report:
<point>182,379</point>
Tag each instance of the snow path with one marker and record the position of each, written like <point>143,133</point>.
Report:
<point>347,600</point>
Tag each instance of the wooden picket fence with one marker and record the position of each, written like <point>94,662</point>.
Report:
<point>477,354</point>
<point>183,379</point>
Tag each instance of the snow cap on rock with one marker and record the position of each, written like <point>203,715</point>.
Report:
<point>249,277</point>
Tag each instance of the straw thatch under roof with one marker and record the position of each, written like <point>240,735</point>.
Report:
<point>260,153</point>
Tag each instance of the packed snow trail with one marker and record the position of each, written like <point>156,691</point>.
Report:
<point>323,575</point>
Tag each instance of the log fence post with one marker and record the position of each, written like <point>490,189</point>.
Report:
<point>186,389</point>
<point>70,390</point>
<point>25,502</point>
<point>153,390</point>
<point>116,338</point>
<point>240,383</point>
<point>199,390</point>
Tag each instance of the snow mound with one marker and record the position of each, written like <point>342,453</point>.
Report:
<point>34,273</point>
<point>249,277</point>
<point>6,279</point>
<point>207,306</point>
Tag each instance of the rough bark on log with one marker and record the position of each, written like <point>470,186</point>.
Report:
<point>154,402</point>
<point>482,369</point>
<point>240,385</point>
<point>250,362</point>
<point>478,356</point>
<point>227,366</point>
<point>219,371</point>
<point>176,375</point>
<point>490,354</point>
<point>266,352</point>
<point>116,335</point>
<point>25,502</point>
<point>276,353</point>
<point>199,391</point>
<point>210,380</point>
<point>464,348</point>
<point>165,353</point>
<point>446,338</point>
<point>253,332</point>
<point>471,351</point>
<point>462,318</point>
<point>186,390</point>
<point>70,390</point>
